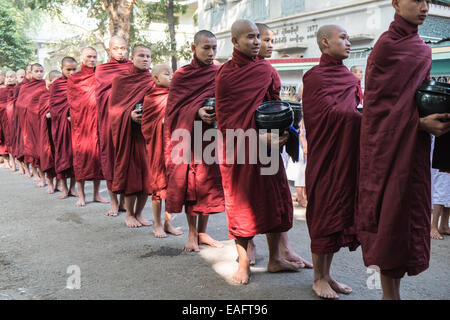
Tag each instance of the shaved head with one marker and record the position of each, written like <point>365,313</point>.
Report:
<point>160,68</point>
<point>263,27</point>
<point>54,74</point>
<point>87,49</point>
<point>36,65</point>
<point>203,33</point>
<point>326,32</point>
<point>117,40</point>
<point>242,26</point>
<point>67,60</point>
<point>136,47</point>
<point>10,73</point>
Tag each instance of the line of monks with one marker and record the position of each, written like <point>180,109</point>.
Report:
<point>367,177</point>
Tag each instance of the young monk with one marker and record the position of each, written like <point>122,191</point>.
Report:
<point>20,75</point>
<point>61,132</point>
<point>8,96</point>
<point>153,111</point>
<point>23,107</point>
<point>358,73</point>
<point>242,84</point>
<point>131,175</point>
<point>47,148</point>
<point>265,52</point>
<point>104,75</point>
<point>18,117</point>
<point>330,101</point>
<point>197,186</point>
<point>394,184</point>
<point>84,125</point>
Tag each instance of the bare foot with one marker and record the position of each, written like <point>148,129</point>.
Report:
<point>282,265</point>
<point>73,193</point>
<point>100,199</point>
<point>13,169</point>
<point>143,221</point>
<point>251,253</point>
<point>36,178</point>
<point>28,175</point>
<point>241,276</point>
<point>132,222</point>
<point>191,244</point>
<point>41,185</point>
<point>293,257</point>
<point>435,234</point>
<point>204,238</point>
<point>80,203</point>
<point>445,231</point>
<point>50,189</point>
<point>158,231</point>
<point>303,203</point>
<point>323,289</point>
<point>63,195</point>
<point>113,212</point>
<point>339,287</point>
<point>170,229</point>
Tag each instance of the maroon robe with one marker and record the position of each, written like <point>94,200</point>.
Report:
<point>61,132</point>
<point>6,116</point>
<point>84,124</point>
<point>197,186</point>
<point>104,75</point>
<point>23,103</point>
<point>47,149</point>
<point>130,174</point>
<point>155,103</point>
<point>17,136</point>
<point>395,194</point>
<point>333,124</point>
<point>32,149</point>
<point>254,203</point>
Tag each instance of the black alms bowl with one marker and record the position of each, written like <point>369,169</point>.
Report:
<point>210,102</point>
<point>274,115</point>
<point>298,112</point>
<point>433,97</point>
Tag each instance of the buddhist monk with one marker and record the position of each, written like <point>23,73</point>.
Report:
<point>193,184</point>
<point>131,174</point>
<point>17,116</point>
<point>84,125</point>
<point>154,108</point>
<point>265,52</point>
<point>47,148</point>
<point>358,73</point>
<point>23,105</point>
<point>242,84</point>
<point>61,132</point>
<point>330,101</point>
<point>394,184</point>
<point>10,81</point>
<point>6,108</point>
<point>104,75</point>
<point>20,75</point>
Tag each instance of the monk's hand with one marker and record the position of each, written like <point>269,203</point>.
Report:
<point>437,124</point>
<point>48,115</point>
<point>269,137</point>
<point>205,116</point>
<point>136,116</point>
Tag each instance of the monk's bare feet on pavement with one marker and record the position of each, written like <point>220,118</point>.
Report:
<point>73,193</point>
<point>158,231</point>
<point>100,199</point>
<point>435,234</point>
<point>41,185</point>
<point>132,222</point>
<point>339,287</point>
<point>445,231</point>
<point>242,275</point>
<point>144,222</point>
<point>63,195</point>
<point>192,243</point>
<point>323,289</point>
<point>170,229</point>
<point>204,238</point>
<point>50,188</point>
<point>114,211</point>
<point>293,257</point>
<point>251,252</point>
<point>81,202</point>
<point>282,265</point>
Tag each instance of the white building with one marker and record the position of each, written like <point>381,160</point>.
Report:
<point>295,23</point>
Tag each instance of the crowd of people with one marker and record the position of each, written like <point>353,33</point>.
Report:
<point>366,180</point>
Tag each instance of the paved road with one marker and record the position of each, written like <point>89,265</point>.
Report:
<point>41,237</point>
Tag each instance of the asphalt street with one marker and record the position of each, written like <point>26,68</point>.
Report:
<point>50,249</point>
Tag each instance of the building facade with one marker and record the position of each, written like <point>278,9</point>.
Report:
<point>295,24</point>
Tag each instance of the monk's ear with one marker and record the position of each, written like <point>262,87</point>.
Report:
<point>395,4</point>
<point>234,41</point>
<point>193,48</point>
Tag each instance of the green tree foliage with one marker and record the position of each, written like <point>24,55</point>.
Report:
<point>15,48</point>
<point>126,18</point>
